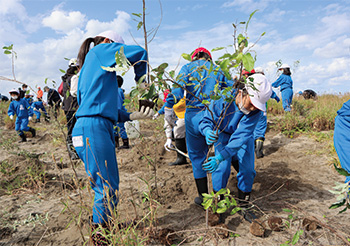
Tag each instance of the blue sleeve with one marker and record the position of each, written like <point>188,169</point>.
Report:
<point>174,97</point>
<point>43,108</point>
<point>207,122</point>
<point>123,115</point>
<point>244,131</point>
<point>28,107</point>
<point>161,111</point>
<point>278,82</point>
<point>274,96</point>
<point>11,110</point>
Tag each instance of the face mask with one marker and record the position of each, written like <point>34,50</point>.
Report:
<point>14,97</point>
<point>240,106</point>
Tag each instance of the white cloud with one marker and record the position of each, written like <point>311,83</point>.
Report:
<point>61,21</point>
<point>336,48</point>
<point>120,24</point>
<point>177,26</point>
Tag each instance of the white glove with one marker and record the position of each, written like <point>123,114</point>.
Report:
<point>168,144</point>
<point>170,116</point>
<point>142,114</point>
<point>11,117</point>
<point>155,116</point>
<point>30,118</point>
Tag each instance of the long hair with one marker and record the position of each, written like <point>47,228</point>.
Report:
<point>203,55</point>
<point>85,48</point>
<point>287,71</point>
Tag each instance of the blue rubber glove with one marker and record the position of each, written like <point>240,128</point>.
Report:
<point>213,163</point>
<point>210,137</point>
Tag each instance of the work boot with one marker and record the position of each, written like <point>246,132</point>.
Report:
<point>71,150</point>
<point>259,145</point>
<point>246,209</point>
<point>180,143</point>
<point>202,187</point>
<point>32,130</point>
<point>116,138</point>
<point>23,138</point>
<point>125,144</point>
<point>37,120</point>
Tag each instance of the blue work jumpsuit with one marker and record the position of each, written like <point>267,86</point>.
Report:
<point>286,84</point>
<point>93,136</point>
<point>235,143</point>
<point>36,106</point>
<point>261,126</point>
<point>200,83</point>
<point>342,137</point>
<point>22,109</point>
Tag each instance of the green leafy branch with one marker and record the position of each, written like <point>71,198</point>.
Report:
<point>342,190</point>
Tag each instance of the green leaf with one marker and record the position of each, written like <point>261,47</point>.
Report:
<point>206,102</point>
<point>341,171</point>
<point>217,48</point>
<point>296,236</point>
<point>172,73</point>
<point>205,195</point>
<point>7,52</point>
<point>221,210</point>
<point>287,210</point>
<point>250,17</point>
<point>342,211</point>
<point>221,192</point>
<point>138,15</point>
<point>248,61</point>
<point>62,71</point>
<point>142,79</point>
<point>186,56</point>
<point>207,204</point>
<point>151,91</point>
<point>235,210</point>
<point>139,25</point>
<point>337,204</point>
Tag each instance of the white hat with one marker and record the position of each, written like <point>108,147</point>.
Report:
<point>284,66</point>
<point>14,90</point>
<point>73,62</point>
<point>261,93</point>
<point>259,70</point>
<point>115,37</point>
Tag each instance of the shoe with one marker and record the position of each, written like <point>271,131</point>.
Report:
<point>180,143</point>
<point>23,138</point>
<point>125,144</point>
<point>32,130</point>
<point>37,120</point>
<point>246,209</point>
<point>72,152</point>
<point>47,118</point>
<point>202,187</point>
<point>259,145</point>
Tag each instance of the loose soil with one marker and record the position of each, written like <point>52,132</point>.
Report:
<point>294,175</point>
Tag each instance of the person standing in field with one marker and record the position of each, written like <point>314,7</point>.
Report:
<point>53,99</point>
<point>93,136</point>
<point>199,85</point>
<point>21,108</point>
<point>40,93</point>
<point>285,83</point>
<point>342,137</point>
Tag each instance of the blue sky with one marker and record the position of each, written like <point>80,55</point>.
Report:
<point>314,32</point>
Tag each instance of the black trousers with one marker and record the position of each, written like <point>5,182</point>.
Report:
<point>71,120</point>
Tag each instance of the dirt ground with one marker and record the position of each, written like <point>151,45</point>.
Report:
<point>294,174</point>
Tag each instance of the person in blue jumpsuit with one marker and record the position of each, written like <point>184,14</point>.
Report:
<point>21,108</point>
<point>119,129</point>
<point>98,99</point>
<point>342,137</point>
<point>233,137</point>
<point>29,98</point>
<point>260,129</point>
<point>285,83</point>
<point>197,81</point>
<point>36,107</point>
